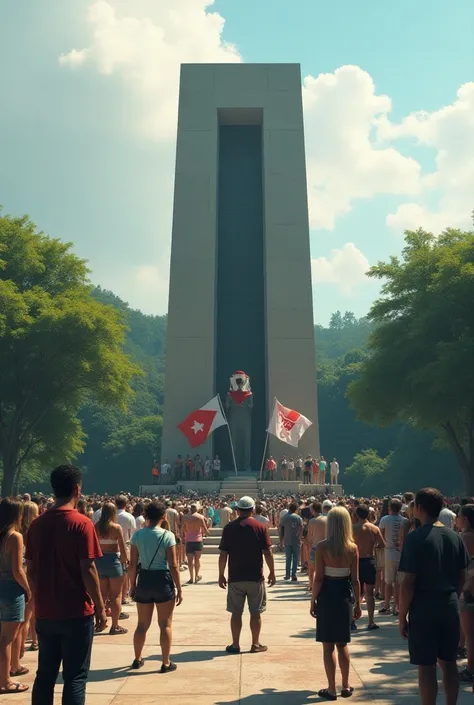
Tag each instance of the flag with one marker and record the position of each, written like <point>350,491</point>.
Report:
<point>200,423</point>
<point>288,425</point>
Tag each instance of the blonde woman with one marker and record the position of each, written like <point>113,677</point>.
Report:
<point>30,513</point>
<point>336,598</point>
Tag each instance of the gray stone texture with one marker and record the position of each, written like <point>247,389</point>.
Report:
<point>213,94</point>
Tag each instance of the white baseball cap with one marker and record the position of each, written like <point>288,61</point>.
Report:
<point>245,503</point>
<point>327,504</point>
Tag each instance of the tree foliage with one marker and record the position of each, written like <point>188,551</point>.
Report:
<point>419,369</point>
<point>57,344</point>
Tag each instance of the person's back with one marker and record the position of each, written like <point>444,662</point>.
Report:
<point>57,541</point>
<point>440,555</point>
<point>317,530</point>
<point>225,514</point>
<point>194,527</point>
<point>245,540</point>
<point>367,537</point>
<point>292,525</point>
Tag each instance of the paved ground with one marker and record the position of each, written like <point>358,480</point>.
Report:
<point>289,674</point>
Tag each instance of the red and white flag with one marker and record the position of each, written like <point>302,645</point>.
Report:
<point>200,423</point>
<point>288,425</point>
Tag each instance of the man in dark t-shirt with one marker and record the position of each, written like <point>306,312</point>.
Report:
<point>245,543</point>
<point>433,564</point>
<point>61,548</point>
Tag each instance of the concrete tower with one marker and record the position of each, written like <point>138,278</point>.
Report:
<point>240,284</point>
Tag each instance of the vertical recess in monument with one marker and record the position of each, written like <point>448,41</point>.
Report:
<point>240,292</point>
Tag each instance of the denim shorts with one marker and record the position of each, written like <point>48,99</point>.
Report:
<point>109,566</point>
<point>12,602</point>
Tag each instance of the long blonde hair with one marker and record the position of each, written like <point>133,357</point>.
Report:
<point>339,531</point>
<point>30,513</point>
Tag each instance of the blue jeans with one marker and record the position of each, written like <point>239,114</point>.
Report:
<point>69,641</point>
<point>292,558</point>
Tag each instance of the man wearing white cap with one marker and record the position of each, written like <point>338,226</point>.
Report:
<point>327,506</point>
<point>245,543</point>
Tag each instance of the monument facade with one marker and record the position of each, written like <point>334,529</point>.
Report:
<point>240,282</point>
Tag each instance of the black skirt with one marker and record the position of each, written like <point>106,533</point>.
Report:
<point>334,611</point>
<point>154,587</point>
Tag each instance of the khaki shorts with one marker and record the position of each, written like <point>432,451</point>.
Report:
<point>380,557</point>
<point>391,571</point>
<point>253,592</point>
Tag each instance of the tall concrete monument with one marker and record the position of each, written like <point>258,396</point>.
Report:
<point>240,284</point>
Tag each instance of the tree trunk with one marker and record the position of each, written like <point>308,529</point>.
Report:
<point>10,471</point>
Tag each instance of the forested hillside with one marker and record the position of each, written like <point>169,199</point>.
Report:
<point>121,446</point>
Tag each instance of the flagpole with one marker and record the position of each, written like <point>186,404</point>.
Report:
<point>230,435</point>
<point>266,442</point>
<point>263,457</point>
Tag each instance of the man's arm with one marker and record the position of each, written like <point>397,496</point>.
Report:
<point>222,566</point>
<point>90,578</point>
<point>380,541</point>
<point>407,590</point>
<point>268,555</point>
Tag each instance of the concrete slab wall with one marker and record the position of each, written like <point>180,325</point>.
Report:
<point>207,90</point>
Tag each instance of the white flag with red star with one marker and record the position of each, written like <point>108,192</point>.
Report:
<point>288,425</point>
<point>200,423</point>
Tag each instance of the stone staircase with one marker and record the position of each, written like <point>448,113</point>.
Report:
<point>211,542</point>
<point>240,485</point>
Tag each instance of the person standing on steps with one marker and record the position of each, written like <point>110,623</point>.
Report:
<point>291,528</point>
<point>245,544</point>
<point>194,530</point>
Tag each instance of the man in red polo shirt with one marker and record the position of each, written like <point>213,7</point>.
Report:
<point>245,543</point>
<point>60,552</point>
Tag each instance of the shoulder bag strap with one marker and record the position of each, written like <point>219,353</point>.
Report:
<point>157,549</point>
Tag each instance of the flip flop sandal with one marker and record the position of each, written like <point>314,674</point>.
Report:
<point>14,688</point>
<point>138,663</point>
<point>347,692</point>
<point>117,630</point>
<point>34,647</point>
<point>19,672</point>
<point>372,627</point>
<point>124,615</point>
<point>258,649</point>
<point>326,695</point>
<point>232,649</point>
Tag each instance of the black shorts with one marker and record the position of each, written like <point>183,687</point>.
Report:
<point>433,632</point>
<point>154,587</point>
<point>193,546</point>
<point>367,571</point>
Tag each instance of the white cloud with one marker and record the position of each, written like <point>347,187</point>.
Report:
<point>346,267</point>
<point>145,43</point>
<point>344,160</point>
<point>450,131</point>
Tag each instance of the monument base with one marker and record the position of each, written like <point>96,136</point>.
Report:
<point>289,488</point>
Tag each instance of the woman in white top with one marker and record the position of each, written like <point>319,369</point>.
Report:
<point>336,598</point>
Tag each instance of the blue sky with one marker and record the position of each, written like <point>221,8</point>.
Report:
<point>87,141</point>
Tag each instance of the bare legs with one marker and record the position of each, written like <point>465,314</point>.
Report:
<point>370,601</point>
<point>236,629</point>
<point>190,558</point>
<point>467,624</point>
<point>10,644</point>
<point>343,657</point>
<point>197,565</point>
<point>164,612</point>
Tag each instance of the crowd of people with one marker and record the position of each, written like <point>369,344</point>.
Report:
<point>308,470</point>
<point>69,562</point>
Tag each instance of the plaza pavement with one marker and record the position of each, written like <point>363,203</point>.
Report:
<point>290,673</point>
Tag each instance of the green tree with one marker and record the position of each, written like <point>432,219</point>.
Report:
<point>367,469</point>
<point>419,369</point>
<point>57,344</point>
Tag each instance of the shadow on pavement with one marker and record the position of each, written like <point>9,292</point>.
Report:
<point>270,696</point>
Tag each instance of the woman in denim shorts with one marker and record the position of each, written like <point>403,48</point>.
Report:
<point>13,591</point>
<point>110,566</point>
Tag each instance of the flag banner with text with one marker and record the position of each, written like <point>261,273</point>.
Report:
<point>288,425</point>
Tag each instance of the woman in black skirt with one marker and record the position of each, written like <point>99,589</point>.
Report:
<point>158,582</point>
<point>336,598</point>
